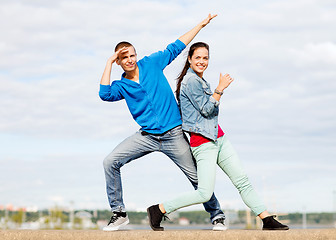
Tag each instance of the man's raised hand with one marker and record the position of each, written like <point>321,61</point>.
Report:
<point>208,19</point>
<point>116,55</point>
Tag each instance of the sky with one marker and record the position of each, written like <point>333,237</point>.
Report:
<point>279,113</point>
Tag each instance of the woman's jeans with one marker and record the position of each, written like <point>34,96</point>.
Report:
<point>173,144</point>
<point>208,156</point>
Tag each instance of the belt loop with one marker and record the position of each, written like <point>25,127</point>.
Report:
<point>143,133</point>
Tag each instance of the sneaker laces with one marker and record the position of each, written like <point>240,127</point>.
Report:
<point>165,217</point>
<point>113,218</point>
<point>219,220</point>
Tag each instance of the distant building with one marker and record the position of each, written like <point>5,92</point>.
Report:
<point>101,223</point>
<point>184,221</point>
<point>85,218</point>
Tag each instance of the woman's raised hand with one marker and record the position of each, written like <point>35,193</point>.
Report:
<point>224,81</point>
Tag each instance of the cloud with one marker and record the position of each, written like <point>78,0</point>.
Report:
<point>56,199</point>
<point>277,112</point>
<point>316,55</point>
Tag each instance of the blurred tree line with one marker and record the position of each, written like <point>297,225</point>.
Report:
<point>312,218</point>
<point>202,217</point>
<point>195,217</point>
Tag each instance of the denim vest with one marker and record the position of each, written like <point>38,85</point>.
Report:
<point>199,109</point>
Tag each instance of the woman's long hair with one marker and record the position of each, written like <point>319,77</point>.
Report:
<point>187,65</point>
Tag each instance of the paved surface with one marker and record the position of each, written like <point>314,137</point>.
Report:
<point>294,234</point>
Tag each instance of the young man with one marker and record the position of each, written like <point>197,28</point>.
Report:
<point>153,106</point>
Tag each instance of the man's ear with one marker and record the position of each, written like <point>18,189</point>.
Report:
<point>118,61</point>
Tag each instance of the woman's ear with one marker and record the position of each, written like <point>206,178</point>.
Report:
<point>117,61</point>
<point>189,60</point>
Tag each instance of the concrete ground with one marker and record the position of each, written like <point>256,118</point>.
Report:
<point>295,234</point>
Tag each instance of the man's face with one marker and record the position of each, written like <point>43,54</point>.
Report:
<point>127,60</point>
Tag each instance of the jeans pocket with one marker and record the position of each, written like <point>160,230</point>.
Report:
<point>175,131</point>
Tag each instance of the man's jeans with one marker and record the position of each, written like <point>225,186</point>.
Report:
<point>172,143</point>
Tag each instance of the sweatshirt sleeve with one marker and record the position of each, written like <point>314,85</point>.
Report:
<point>165,57</point>
<point>110,93</point>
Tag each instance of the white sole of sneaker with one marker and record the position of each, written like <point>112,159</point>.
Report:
<point>107,229</point>
<point>217,228</point>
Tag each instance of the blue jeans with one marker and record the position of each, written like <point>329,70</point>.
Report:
<point>172,143</point>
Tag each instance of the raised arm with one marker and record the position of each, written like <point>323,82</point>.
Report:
<point>202,101</point>
<point>189,36</point>
<point>105,80</point>
<point>224,82</point>
<point>111,92</point>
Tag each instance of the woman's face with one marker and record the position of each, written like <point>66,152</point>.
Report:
<point>199,60</point>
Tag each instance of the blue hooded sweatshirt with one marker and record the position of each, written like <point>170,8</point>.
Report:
<point>151,101</point>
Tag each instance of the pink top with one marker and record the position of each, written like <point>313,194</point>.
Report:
<point>197,139</point>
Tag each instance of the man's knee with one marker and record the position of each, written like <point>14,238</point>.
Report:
<point>111,162</point>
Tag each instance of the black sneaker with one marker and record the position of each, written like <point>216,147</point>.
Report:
<point>155,217</point>
<point>117,220</point>
<point>269,223</point>
<point>219,225</point>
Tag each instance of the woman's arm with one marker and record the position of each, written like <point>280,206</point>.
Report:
<point>203,102</point>
<point>224,82</point>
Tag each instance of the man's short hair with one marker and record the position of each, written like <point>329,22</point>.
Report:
<point>122,44</point>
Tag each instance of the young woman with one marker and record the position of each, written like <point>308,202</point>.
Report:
<point>210,147</point>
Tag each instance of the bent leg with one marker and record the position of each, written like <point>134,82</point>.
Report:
<point>131,148</point>
<point>229,162</point>
<point>175,145</point>
<point>206,157</point>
